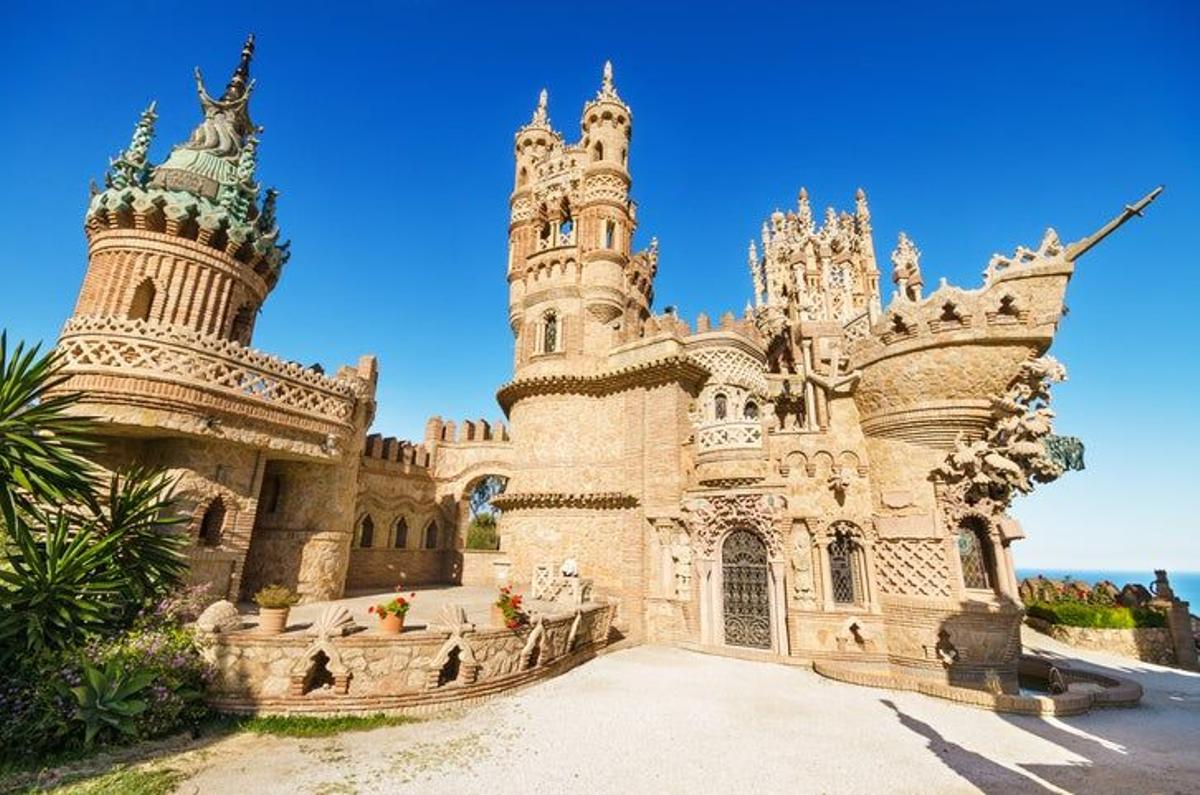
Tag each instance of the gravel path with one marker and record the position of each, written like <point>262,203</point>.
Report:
<point>652,719</point>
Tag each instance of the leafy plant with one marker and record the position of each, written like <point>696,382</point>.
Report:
<point>274,597</point>
<point>1083,614</point>
<point>398,606</point>
<point>138,511</point>
<point>67,577</point>
<point>58,585</point>
<point>481,533</point>
<point>108,697</point>
<point>510,605</point>
<point>41,442</point>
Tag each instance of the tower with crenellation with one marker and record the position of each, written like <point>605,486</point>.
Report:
<point>577,288</point>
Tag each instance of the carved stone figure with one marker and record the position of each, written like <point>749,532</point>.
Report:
<point>802,567</point>
<point>681,555</point>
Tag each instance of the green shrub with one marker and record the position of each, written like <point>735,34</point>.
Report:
<point>1082,614</point>
<point>481,534</point>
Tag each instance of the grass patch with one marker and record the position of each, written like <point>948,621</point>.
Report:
<point>162,781</point>
<point>304,726</point>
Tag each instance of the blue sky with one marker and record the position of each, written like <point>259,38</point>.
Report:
<point>389,132</point>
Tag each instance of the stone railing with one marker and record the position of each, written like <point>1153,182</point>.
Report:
<point>729,435</point>
<point>95,344</point>
<point>353,670</point>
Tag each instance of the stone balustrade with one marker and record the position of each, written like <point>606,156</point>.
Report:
<point>729,435</point>
<point>149,359</point>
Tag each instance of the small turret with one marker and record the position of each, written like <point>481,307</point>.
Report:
<point>906,269</point>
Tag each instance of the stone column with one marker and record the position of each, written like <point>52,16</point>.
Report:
<point>779,631</point>
<point>707,633</point>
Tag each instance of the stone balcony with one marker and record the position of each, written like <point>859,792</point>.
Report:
<point>168,377</point>
<point>729,435</point>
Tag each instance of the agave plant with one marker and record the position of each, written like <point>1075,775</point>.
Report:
<point>58,584</point>
<point>138,509</point>
<point>41,442</point>
<point>77,561</point>
<point>108,697</point>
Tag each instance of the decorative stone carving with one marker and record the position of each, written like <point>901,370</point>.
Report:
<point>1012,456</point>
<point>334,621</point>
<point>220,616</point>
<point>803,588</point>
<point>681,557</point>
<point>710,518</point>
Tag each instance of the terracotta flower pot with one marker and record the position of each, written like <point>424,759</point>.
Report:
<point>392,624</point>
<point>498,619</point>
<point>272,620</point>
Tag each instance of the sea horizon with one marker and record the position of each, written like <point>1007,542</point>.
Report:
<point>1186,584</point>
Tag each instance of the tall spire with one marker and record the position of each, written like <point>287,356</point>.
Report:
<point>239,81</point>
<point>132,167</point>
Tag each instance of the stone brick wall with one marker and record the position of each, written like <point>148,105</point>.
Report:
<point>1149,644</point>
<point>388,569</point>
<point>478,567</point>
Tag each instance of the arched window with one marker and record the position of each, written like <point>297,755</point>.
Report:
<point>212,524</point>
<point>550,333</point>
<point>400,534</point>
<point>975,553</point>
<point>243,324</point>
<point>143,301</point>
<point>431,536</point>
<point>844,558</point>
<point>750,411</point>
<point>598,151</point>
<point>610,234</point>
<point>720,406</point>
<point>272,490</point>
<point>366,531</point>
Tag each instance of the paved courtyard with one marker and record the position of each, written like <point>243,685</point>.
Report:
<point>653,719</point>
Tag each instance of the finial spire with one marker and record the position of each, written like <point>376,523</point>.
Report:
<point>239,81</point>
<point>607,88</point>
<point>132,167</point>
<point>541,114</point>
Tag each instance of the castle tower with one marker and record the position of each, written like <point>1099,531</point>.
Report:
<point>576,289</point>
<point>186,243</point>
<point>579,301</point>
<point>181,258</point>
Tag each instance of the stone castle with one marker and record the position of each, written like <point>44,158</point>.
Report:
<point>822,477</point>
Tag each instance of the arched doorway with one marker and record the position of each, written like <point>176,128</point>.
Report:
<point>746,590</point>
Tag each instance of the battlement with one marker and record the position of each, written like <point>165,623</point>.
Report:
<point>402,451</point>
<point>670,323</point>
<point>440,431</point>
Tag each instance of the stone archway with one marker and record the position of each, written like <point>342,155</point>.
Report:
<point>711,522</point>
<point>746,590</point>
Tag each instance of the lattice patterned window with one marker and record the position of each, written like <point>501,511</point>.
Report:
<point>550,333</point>
<point>844,569</point>
<point>974,553</point>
